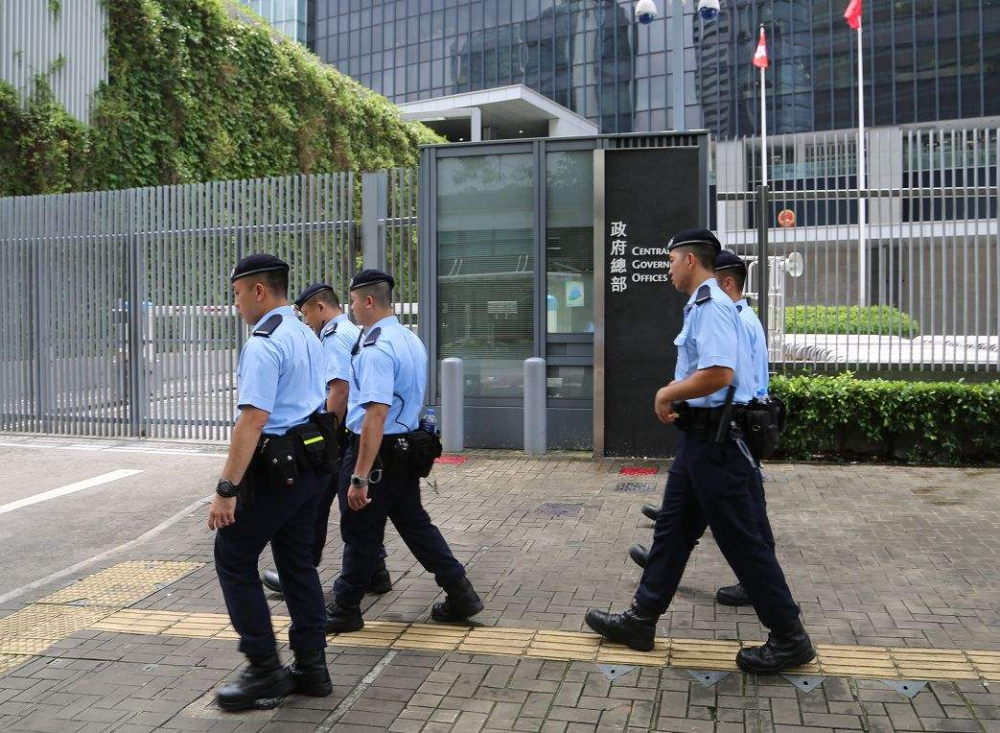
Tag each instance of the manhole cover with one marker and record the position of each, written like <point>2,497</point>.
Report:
<point>556,511</point>
<point>633,486</point>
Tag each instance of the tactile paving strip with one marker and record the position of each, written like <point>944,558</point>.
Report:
<point>122,584</point>
<point>431,637</point>
<point>35,628</point>
<point>568,645</point>
<point>375,634</point>
<point>497,640</point>
<point>10,661</point>
<point>987,664</point>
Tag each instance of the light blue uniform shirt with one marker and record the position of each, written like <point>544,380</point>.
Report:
<point>338,337</point>
<point>390,368</point>
<point>282,373</point>
<point>758,347</point>
<point>713,336</point>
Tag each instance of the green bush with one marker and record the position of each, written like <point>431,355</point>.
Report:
<point>846,418</point>
<point>853,320</point>
<point>196,94</point>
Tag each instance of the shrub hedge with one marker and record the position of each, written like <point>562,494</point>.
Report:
<point>842,319</point>
<point>846,418</point>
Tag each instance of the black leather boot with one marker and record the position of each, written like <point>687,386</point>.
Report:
<point>381,582</point>
<point>634,628</point>
<point>639,555</point>
<point>262,684</point>
<point>650,511</point>
<point>461,601</point>
<point>787,647</point>
<point>310,674</point>
<point>271,580</point>
<point>342,619</point>
<point>732,595</point>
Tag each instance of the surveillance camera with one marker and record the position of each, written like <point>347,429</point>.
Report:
<point>708,9</point>
<point>645,11</point>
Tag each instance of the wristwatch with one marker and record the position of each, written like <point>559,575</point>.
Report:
<point>358,481</point>
<point>225,489</point>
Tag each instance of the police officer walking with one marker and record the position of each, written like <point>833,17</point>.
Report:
<point>731,275</point>
<point>320,309</point>
<point>711,481</point>
<point>269,491</point>
<point>386,454</point>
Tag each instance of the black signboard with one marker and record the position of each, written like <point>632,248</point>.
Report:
<point>649,194</point>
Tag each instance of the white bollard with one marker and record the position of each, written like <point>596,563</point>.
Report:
<point>452,406</point>
<point>535,396</point>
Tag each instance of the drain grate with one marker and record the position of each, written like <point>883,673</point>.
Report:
<point>559,511</point>
<point>633,487</point>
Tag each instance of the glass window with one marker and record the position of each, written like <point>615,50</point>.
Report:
<point>570,382</point>
<point>486,269</point>
<point>569,241</point>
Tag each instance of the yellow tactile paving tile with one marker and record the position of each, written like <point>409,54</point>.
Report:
<point>10,661</point>
<point>611,653</point>
<point>199,625</point>
<point>35,628</point>
<point>374,634</point>
<point>703,654</point>
<point>856,661</point>
<point>138,621</point>
<point>987,664</point>
<point>921,664</point>
<point>122,584</point>
<point>497,640</point>
<point>564,645</point>
<point>431,637</point>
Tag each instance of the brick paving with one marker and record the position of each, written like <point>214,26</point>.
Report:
<point>875,556</point>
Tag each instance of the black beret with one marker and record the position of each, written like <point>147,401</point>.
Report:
<point>310,292</point>
<point>255,264</point>
<point>370,277</point>
<point>694,236</point>
<point>727,260</point>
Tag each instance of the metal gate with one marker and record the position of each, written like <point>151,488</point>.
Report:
<point>118,305</point>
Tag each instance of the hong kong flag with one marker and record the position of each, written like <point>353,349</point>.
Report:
<point>760,55</point>
<point>853,14</point>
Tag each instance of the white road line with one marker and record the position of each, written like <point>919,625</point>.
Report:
<point>101,449</point>
<point>69,489</point>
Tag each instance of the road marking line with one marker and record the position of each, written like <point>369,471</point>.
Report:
<point>104,478</point>
<point>140,450</point>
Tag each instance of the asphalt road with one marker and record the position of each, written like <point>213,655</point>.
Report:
<point>59,531</point>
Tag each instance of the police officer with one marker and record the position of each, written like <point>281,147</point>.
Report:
<point>279,385</point>
<point>711,481</point>
<point>731,275</point>
<point>389,375</point>
<point>320,308</point>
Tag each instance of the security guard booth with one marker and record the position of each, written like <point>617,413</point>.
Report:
<point>521,246</point>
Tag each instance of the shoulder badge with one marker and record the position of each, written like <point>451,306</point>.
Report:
<point>739,309</point>
<point>704,295</point>
<point>329,330</point>
<point>373,337</point>
<point>269,326</point>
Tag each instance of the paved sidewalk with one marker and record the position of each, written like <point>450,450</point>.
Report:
<point>880,557</point>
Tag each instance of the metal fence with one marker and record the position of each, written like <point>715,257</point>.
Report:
<point>922,294</point>
<point>120,315</point>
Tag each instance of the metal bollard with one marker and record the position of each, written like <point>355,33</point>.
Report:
<point>535,395</point>
<point>452,406</point>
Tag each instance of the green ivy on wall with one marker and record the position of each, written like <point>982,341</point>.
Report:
<point>196,93</point>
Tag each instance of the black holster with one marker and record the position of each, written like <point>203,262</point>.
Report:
<point>763,423</point>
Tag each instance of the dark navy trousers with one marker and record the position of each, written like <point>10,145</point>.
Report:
<point>323,521</point>
<point>286,518</point>
<point>395,497</point>
<point>715,485</point>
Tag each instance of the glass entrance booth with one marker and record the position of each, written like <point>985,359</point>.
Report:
<point>514,265</point>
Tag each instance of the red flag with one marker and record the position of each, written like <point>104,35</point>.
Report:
<point>760,56</point>
<point>853,14</point>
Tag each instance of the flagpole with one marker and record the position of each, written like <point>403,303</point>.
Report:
<point>862,182</point>
<point>763,124</point>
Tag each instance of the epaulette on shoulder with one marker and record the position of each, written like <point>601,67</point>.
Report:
<point>330,330</point>
<point>372,337</point>
<point>704,295</point>
<point>269,326</point>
